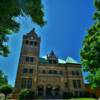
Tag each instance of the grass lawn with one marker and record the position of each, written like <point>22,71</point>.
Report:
<point>83,99</point>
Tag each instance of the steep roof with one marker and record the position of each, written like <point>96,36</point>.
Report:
<point>52,55</point>
<point>61,61</point>
<point>71,60</point>
<point>33,34</point>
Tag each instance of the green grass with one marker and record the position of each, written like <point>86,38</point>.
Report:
<point>83,99</point>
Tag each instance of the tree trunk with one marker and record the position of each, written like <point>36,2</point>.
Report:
<point>5,97</point>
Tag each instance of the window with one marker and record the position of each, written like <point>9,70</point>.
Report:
<point>75,73</point>
<point>43,71</point>
<point>76,83</point>
<point>61,73</point>
<point>50,71</point>
<point>66,84</point>
<point>23,83</point>
<point>26,83</point>
<point>29,83</point>
<point>30,71</point>
<point>54,61</point>
<point>31,42</point>
<point>50,61</point>
<point>26,42</point>
<point>55,72</point>
<point>29,59</point>
<point>35,43</point>
<point>25,70</point>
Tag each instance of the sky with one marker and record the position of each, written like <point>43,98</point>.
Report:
<point>67,24</point>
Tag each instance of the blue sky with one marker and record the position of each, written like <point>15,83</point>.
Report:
<point>67,22</point>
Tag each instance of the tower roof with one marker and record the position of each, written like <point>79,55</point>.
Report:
<point>52,54</point>
<point>33,34</point>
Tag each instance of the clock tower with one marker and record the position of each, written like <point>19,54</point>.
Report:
<point>28,62</point>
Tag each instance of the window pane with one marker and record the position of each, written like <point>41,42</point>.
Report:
<point>35,43</point>
<point>27,59</point>
<point>66,85</point>
<point>50,61</point>
<point>25,70</point>
<point>31,42</point>
<point>26,42</point>
<point>74,84</point>
<point>31,59</point>
<point>79,83</point>
<point>23,83</point>
<point>43,71</point>
<point>61,73</point>
<point>73,73</point>
<point>50,71</point>
<point>30,70</point>
<point>29,83</point>
<point>55,72</point>
<point>77,73</point>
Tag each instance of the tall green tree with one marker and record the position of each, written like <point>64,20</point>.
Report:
<point>90,52</point>
<point>6,89</point>
<point>3,78</point>
<point>9,10</point>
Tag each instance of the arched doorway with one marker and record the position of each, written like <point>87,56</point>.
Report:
<point>48,90</point>
<point>57,91</point>
<point>40,90</point>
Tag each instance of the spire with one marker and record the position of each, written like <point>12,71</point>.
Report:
<point>52,58</point>
<point>52,54</point>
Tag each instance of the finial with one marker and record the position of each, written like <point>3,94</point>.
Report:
<point>33,30</point>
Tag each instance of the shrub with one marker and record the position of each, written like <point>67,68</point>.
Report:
<point>26,94</point>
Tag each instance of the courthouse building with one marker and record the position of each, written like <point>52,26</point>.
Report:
<point>49,76</point>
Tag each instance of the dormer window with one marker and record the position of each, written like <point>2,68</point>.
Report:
<point>52,58</point>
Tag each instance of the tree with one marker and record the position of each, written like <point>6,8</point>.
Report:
<point>3,78</point>
<point>90,52</point>
<point>6,89</point>
<point>26,94</point>
<point>9,10</point>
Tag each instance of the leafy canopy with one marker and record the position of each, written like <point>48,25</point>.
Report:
<point>3,78</point>
<point>90,52</point>
<point>9,10</point>
<point>6,89</point>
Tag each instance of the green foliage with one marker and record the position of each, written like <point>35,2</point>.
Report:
<point>3,78</point>
<point>6,89</point>
<point>26,94</point>
<point>90,52</point>
<point>9,10</point>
